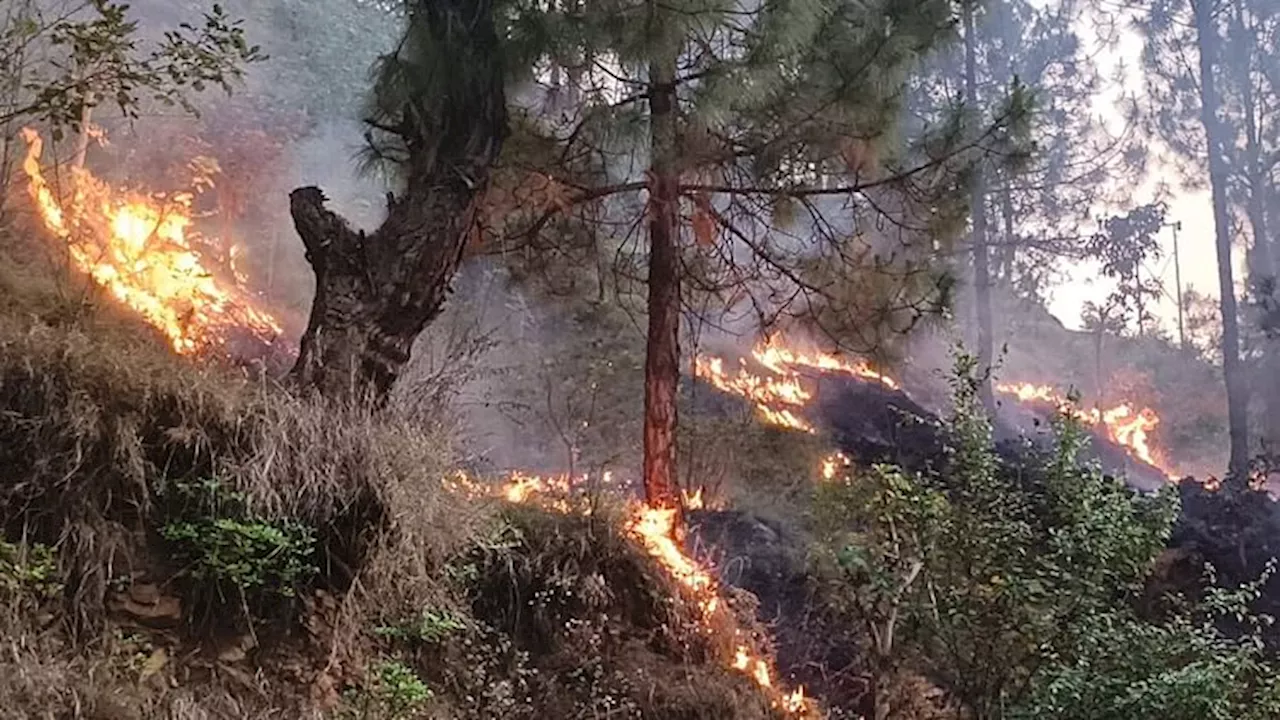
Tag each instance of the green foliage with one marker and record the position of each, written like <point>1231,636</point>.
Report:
<point>437,80</point>
<point>98,58</point>
<point>1124,668</point>
<point>430,626</point>
<point>394,692</point>
<point>877,531</point>
<point>1023,555</point>
<point>993,568</point>
<point>226,550</point>
<point>28,570</point>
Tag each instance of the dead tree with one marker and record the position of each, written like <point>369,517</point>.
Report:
<point>438,117</point>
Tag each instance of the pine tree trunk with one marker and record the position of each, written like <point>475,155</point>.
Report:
<point>1262,275</point>
<point>1237,391</point>
<point>662,352</point>
<point>981,263</point>
<point>1004,266</point>
<point>376,292</point>
<point>1262,270</point>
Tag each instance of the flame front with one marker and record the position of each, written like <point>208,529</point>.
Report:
<point>779,397</point>
<point>766,393</point>
<point>140,249</point>
<point>654,529</point>
<point>1126,426</point>
<point>776,356</point>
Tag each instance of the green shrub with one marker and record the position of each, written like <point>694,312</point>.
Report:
<point>430,626</point>
<point>224,550</point>
<point>991,570</point>
<point>1124,668</point>
<point>29,570</point>
<point>394,692</point>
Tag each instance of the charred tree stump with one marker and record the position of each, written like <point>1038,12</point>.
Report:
<point>443,108</point>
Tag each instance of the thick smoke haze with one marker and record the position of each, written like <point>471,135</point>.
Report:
<point>504,333</point>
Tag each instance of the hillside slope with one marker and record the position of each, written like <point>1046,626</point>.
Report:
<point>183,540</point>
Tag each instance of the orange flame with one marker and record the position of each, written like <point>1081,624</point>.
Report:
<point>694,500</point>
<point>654,530</point>
<point>778,396</point>
<point>140,249</point>
<point>833,464</point>
<point>1126,426</point>
<point>765,392</point>
<point>773,354</point>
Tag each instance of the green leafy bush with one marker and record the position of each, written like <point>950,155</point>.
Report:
<point>224,549</point>
<point>430,626</point>
<point>992,570</point>
<point>394,692</point>
<point>28,570</point>
<point>1124,668</point>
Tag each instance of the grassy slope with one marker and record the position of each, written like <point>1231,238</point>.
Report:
<point>501,612</point>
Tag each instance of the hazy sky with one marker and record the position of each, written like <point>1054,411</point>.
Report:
<point>1196,250</point>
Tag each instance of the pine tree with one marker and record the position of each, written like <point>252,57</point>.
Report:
<point>1250,89</point>
<point>775,174</point>
<point>1029,212</point>
<point>1189,118</point>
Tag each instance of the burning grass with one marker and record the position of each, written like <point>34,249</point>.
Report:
<point>144,251</point>
<point>610,629</point>
<point>105,435</point>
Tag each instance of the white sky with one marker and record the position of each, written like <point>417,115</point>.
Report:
<point>1197,254</point>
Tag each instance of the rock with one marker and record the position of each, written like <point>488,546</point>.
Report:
<point>144,604</point>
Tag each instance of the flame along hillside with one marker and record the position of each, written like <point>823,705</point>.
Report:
<point>144,251</point>
<point>804,390</point>
<point>654,530</point>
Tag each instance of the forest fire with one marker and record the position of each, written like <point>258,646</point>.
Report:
<point>654,529</point>
<point>780,396</point>
<point>144,251</point>
<point>1122,423</point>
<point>777,397</point>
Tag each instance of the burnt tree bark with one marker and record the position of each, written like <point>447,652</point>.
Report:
<point>376,292</point>
<point>662,351</point>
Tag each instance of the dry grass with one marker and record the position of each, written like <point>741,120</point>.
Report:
<point>98,422</point>
<point>94,430</point>
<point>608,633</point>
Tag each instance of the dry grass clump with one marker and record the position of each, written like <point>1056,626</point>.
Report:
<point>96,429</point>
<point>525,614</point>
<point>595,628</point>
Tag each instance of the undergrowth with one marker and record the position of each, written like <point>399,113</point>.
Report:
<point>190,541</point>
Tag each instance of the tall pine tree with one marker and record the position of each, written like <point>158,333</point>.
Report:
<point>765,140</point>
<point>1029,212</point>
<point>1190,116</point>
